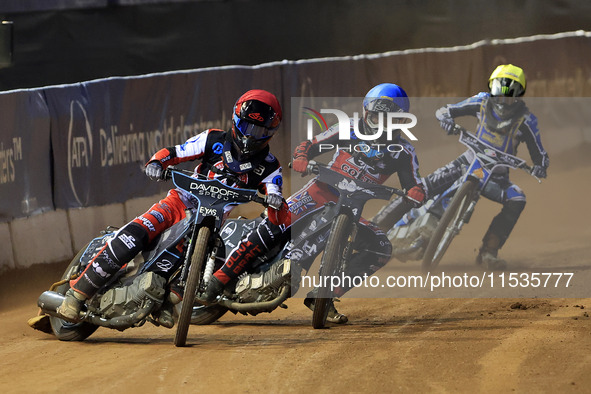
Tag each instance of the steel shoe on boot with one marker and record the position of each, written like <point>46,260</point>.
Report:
<point>487,254</point>
<point>492,262</point>
<point>165,316</point>
<point>213,290</point>
<point>333,315</point>
<point>71,306</point>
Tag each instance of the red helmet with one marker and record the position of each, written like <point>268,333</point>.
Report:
<point>256,117</point>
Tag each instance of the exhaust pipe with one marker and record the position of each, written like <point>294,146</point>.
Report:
<point>49,301</point>
<point>121,323</point>
<point>257,307</point>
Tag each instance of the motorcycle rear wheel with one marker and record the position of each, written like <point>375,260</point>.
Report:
<point>331,264</point>
<point>204,315</point>
<point>447,228</point>
<point>195,272</point>
<point>64,330</point>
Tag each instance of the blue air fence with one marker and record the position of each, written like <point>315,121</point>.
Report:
<point>103,142</point>
<point>84,145</point>
<point>25,155</point>
<point>103,131</point>
<point>109,130</point>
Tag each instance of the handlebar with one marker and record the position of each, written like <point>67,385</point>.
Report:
<point>260,200</point>
<point>457,130</point>
<point>314,168</point>
<point>167,175</point>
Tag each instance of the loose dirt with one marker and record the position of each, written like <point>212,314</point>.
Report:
<point>390,344</point>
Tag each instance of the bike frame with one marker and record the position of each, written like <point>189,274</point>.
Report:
<point>353,195</point>
<point>486,160</point>
<point>212,198</point>
<point>459,200</point>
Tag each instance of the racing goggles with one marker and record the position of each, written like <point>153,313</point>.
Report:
<point>506,87</point>
<point>249,129</point>
<point>372,117</point>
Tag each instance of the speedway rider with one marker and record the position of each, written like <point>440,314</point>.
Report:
<point>242,151</point>
<point>372,247</point>
<point>503,122</point>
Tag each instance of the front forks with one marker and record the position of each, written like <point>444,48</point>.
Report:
<point>187,261</point>
<point>210,264</point>
<point>349,248</point>
<point>469,211</point>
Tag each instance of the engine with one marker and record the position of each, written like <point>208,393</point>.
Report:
<point>265,285</point>
<point>121,301</point>
<point>410,240</point>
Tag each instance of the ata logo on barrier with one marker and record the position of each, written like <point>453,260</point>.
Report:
<point>80,149</point>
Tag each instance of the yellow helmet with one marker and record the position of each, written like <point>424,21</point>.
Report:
<point>507,81</point>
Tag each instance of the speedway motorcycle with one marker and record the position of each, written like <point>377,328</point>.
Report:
<point>276,275</point>
<point>137,291</point>
<point>425,233</point>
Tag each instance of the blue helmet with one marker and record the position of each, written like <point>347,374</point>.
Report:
<point>383,98</point>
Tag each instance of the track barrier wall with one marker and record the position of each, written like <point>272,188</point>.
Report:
<point>71,156</point>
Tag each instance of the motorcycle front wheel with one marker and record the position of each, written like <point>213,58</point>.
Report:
<point>193,279</point>
<point>62,329</point>
<point>449,224</point>
<point>331,265</point>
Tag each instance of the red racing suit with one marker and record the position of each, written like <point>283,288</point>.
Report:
<point>208,146</point>
<point>266,176</point>
<point>373,249</point>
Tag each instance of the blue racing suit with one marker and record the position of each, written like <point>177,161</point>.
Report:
<point>517,124</point>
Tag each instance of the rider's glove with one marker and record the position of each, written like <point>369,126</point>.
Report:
<point>154,171</point>
<point>300,164</point>
<point>539,171</point>
<point>274,200</point>
<point>416,195</point>
<point>448,125</point>
<point>445,120</point>
<point>280,216</point>
<point>300,157</point>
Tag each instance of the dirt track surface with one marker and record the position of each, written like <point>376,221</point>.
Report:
<point>392,345</point>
